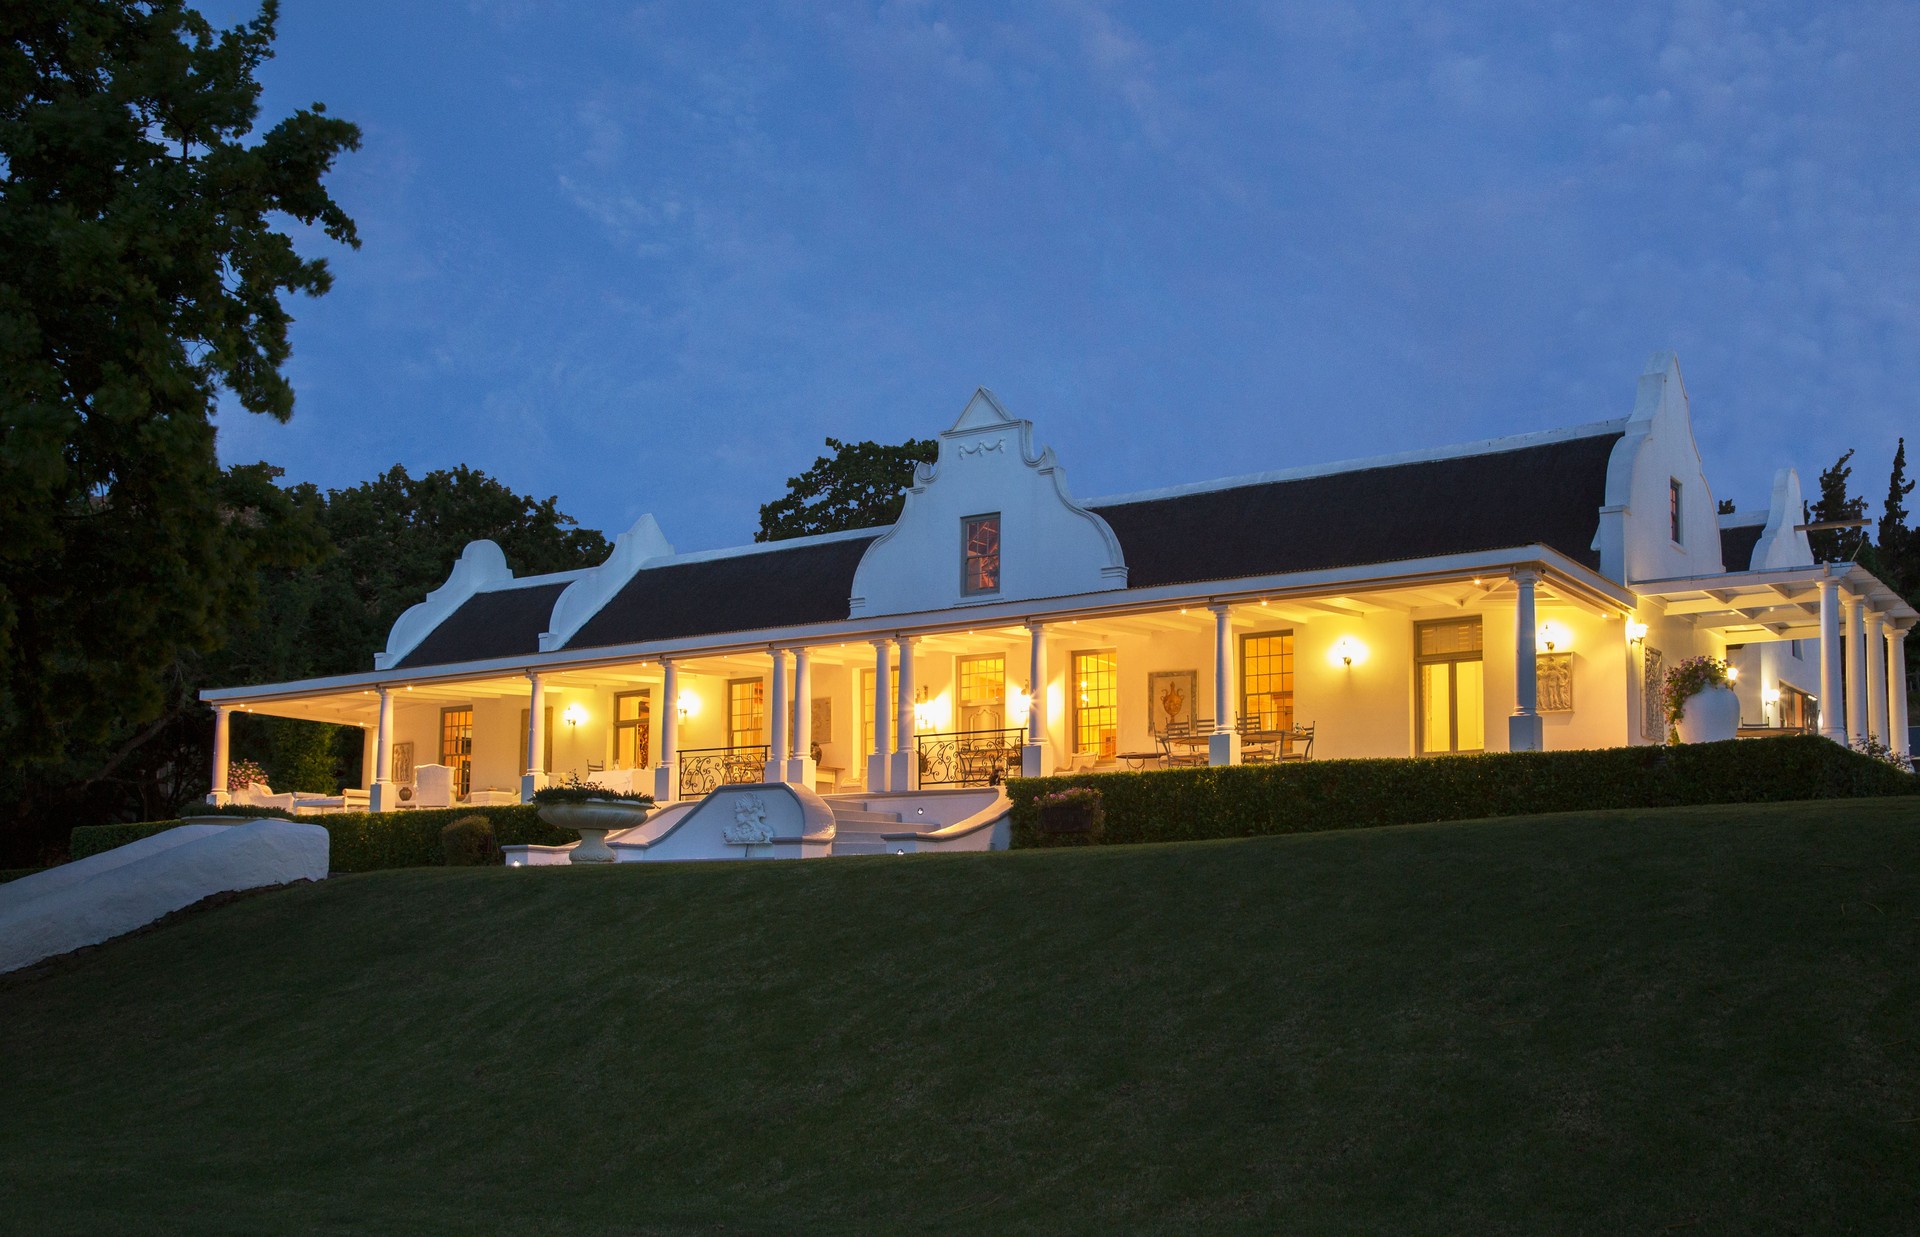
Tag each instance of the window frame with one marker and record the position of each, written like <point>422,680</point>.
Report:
<point>1291,672</point>
<point>462,760</point>
<point>1452,662</point>
<point>967,557</point>
<point>1674,526</point>
<point>733,728</point>
<point>642,727</point>
<point>1077,708</point>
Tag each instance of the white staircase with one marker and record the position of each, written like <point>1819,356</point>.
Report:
<point>859,832</point>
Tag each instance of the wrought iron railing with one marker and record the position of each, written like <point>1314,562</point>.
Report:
<point>969,757</point>
<point>703,768</point>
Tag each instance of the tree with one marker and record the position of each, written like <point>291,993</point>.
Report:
<point>1725,507</point>
<point>863,485</point>
<point>141,278</point>
<point>1835,504</point>
<point>1896,540</point>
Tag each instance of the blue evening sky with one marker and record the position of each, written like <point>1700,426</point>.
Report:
<point>645,257</point>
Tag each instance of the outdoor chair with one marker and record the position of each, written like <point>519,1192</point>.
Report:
<point>259,794</point>
<point>1299,745</point>
<point>1177,748</point>
<point>1258,745</point>
<point>433,786</point>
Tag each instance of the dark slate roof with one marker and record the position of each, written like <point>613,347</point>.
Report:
<point>1547,494</point>
<point>502,623</point>
<point>775,587</point>
<point>1736,545</point>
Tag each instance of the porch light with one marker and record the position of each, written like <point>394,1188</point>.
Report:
<point>1346,651</point>
<point>1019,700</point>
<point>1733,674</point>
<point>1636,632</point>
<point>688,703</point>
<point>1553,636</point>
<point>1770,697</point>
<point>574,714</point>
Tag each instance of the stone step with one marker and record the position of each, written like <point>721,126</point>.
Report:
<point>850,816</point>
<point>856,844</point>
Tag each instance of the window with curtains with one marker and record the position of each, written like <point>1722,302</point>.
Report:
<point>746,712</point>
<point>1096,703</point>
<point>632,720</point>
<point>456,746</point>
<point>1450,709</point>
<point>546,757</point>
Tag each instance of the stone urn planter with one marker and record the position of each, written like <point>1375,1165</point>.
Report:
<point>593,820</point>
<point>1709,715</point>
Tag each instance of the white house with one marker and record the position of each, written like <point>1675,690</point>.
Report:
<point>1520,594</point>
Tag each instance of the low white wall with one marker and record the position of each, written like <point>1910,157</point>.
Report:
<point>109,895</point>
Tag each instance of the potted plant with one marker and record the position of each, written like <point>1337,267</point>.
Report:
<point>1072,815</point>
<point>593,811</point>
<point>1701,706</point>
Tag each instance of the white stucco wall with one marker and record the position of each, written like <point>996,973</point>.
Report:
<point>1635,538</point>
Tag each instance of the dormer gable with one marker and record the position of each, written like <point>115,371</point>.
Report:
<point>482,565</point>
<point>988,521</point>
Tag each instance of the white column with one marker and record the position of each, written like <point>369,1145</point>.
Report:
<point>217,793</point>
<point>369,754</point>
<point>533,765</point>
<point>1876,651</point>
<point>879,760</point>
<point>1525,731</point>
<point>1833,715</point>
<point>383,796</point>
<point>666,775</point>
<point>1856,671</point>
<point>800,769</point>
<point>906,754</point>
<point>1224,747</point>
<point>1033,754</point>
<point>1897,688</point>
<point>777,731</point>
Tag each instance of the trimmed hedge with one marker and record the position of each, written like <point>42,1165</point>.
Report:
<point>1237,801</point>
<point>368,841</point>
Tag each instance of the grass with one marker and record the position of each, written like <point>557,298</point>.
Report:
<point>1690,1020</point>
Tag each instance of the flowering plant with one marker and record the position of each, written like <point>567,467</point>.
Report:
<point>1691,677</point>
<point>1071,796</point>
<point>574,790</point>
<point>244,773</point>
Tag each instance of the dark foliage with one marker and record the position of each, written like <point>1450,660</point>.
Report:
<point>468,843</point>
<point>862,485</point>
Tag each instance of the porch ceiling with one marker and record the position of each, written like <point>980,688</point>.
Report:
<point>1748,607</point>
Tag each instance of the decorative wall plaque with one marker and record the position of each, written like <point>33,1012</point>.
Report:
<point>1170,697</point>
<point>750,826</point>
<point>1653,697</point>
<point>1553,678</point>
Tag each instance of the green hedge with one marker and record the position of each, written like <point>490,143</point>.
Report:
<point>367,841</point>
<point>1239,801</point>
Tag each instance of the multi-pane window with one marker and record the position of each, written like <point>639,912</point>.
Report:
<point>983,692</point>
<point>1450,714</point>
<point>1096,703</point>
<point>1797,711</point>
<point>866,706</point>
<point>456,747</point>
<point>1673,510</point>
<point>1266,680</point>
<point>632,719</point>
<point>746,712</point>
<point>980,570</point>
<point>546,757</point>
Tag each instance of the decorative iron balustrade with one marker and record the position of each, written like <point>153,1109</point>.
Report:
<point>969,757</point>
<point>703,768</point>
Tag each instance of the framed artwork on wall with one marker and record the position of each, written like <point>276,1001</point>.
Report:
<point>823,719</point>
<point>403,762</point>
<point>1170,697</point>
<point>1553,679</point>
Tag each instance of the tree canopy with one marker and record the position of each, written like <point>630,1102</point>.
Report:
<point>141,280</point>
<point>861,485</point>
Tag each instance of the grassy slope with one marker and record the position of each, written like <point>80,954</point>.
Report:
<point>1600,1023</point>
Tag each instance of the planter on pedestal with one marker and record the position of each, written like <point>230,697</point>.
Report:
<point>593,820</point>
<point>1709,715</point>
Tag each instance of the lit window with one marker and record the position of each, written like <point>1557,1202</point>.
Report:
<point>1449,683</point>
<point>1096,703</point>
<point>980,534</point>
<point>1673,509</point>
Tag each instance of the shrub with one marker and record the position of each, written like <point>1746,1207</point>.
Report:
<point>369,841</point>
<point>573,790</point>
<point>468,843</point>
<point>1256,800</point>
<point>1071,816</point>
<point>234,809</point>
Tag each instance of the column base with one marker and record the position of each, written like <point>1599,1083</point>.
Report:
<point>906,771</point>
<point>383,797</point>
<point>530,782</point>
<point>776,771</point>
<point>1033,760</point>
<point>801,771</point>
<point>219,798</point>
<point>1223,749</point>
<point>878,767</point>
<point>664,789</point>
<point>1526,732</point>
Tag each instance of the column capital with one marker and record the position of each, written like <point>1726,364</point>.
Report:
<point>904,639</point>
<point>1220,607</point>
<point>1524,575</point>
<point>881,642</point>
<point>1036,626</point>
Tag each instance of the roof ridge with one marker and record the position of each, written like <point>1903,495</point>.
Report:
<point>1488,446</point>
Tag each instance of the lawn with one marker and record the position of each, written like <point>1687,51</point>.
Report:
<point>1695,1020</point>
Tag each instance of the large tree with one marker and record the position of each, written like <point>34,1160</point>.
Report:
<point>862,485</point>
<point>141,281</point>
<point>1836,504</point>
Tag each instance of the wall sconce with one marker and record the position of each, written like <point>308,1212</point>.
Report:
<point>1733,674</point>
<point>1346,651</point>
<point>1019,701</point>
<point>1769,698</point>
<point>1553,636</point>
<point>1636,631</point>
<point>689,704</point>
<point>574,714</point>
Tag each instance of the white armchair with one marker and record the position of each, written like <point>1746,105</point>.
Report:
<point>433,786</point>
<point>259,794</point>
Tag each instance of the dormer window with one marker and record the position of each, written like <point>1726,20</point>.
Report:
<point>1673,510</point>
<point>980,566</point>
